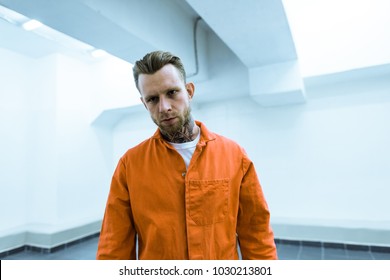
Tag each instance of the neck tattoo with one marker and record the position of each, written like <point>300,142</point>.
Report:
<point>185,134</point>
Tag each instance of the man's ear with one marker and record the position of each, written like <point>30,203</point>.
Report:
<point>190,87</point>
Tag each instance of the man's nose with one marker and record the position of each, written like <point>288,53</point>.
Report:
<point>164,105</point>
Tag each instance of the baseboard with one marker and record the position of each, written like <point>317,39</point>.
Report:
<point>338,234</point>
<point>47,240</point>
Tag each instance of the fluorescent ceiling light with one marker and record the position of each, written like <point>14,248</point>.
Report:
<point>98,53</point>
<point>32,24</point>
<point>44,31</point>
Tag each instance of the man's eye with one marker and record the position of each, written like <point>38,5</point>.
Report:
<point>151,100</point>
<point>172,92</point>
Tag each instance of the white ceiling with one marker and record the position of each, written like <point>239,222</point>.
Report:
<point>257,33</point>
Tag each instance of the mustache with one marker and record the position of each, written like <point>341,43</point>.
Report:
<point>167,116</point>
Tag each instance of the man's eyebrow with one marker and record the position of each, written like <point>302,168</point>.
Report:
<point>150,95</point>
<point>173,88</point>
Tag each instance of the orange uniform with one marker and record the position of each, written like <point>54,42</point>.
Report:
<point>198,214</point>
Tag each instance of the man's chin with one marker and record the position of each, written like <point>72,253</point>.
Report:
<point>169,129</point>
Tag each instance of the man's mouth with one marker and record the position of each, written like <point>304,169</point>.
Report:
<point>168,120</point>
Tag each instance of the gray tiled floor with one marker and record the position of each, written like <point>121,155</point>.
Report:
<point>289,251</point>
<point>86,250</point>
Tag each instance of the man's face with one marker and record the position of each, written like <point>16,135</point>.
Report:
<point>167,98</point>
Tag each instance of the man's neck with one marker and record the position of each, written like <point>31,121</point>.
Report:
<point>188,133</point>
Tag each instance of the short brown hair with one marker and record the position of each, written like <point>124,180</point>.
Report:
<point>154,61</point>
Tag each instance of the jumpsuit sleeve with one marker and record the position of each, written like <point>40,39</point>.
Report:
<point>117,239</point>
<point>254,232</point>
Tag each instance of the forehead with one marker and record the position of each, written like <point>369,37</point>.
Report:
<point>164,79</point>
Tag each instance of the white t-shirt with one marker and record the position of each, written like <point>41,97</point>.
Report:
<point>186,150</point>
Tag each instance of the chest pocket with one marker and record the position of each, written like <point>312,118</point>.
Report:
<point>208,201</point>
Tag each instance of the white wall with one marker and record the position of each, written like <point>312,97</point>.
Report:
<point>13,146</point>
<point>40,123</point>
<point>81,168</point>
<point>55,166</point>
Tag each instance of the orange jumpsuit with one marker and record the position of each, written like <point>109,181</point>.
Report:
<point>197,214</point>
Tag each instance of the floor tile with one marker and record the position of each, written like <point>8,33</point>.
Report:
<point>359,255</point>
<point>310,253</point>
<point>380,256</point>
<point>335,254</point>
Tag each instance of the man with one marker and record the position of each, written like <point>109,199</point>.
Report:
<point>185,193</point>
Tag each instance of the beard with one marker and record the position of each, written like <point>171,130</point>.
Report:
<point>181,130</point>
